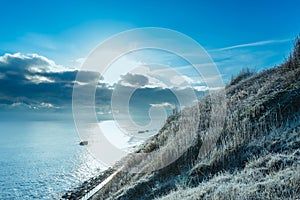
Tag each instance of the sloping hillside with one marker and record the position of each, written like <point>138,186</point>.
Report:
<point>257,155</point>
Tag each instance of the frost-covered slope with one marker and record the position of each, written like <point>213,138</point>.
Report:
<point>257,155</point>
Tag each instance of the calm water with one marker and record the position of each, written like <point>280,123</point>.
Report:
<point>41,160</point>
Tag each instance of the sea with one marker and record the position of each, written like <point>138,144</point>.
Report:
<point>43,159</point>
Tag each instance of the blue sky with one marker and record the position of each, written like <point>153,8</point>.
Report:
<point>44,38</point>
<point>67,30</point>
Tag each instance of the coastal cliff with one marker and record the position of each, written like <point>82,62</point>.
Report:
<point>257,154</point>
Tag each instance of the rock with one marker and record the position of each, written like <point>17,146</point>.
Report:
<point>82,143</point>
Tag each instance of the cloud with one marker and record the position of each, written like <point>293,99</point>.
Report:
<point>134,80</point>
<point>39,79</point>
<point>76,63</point>
<point>253,44</point>
<point>30,82</point>
<point>201,88</point>
<point>37,82</point>
<point>179,80</point>
<point>163,104</point>
<point>29,62</point>
<point>22,62</point>
<point>166,77</point>
<point>257,55</point>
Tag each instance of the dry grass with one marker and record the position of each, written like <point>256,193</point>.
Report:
<point>257,155</point>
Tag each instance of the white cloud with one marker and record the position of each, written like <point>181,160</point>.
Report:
<point>104,112</point>
<point>201,88</point>
<point>77,63</point>
<point>120,67</point>
<point>32,62</point>
<point>33,106</point>
<point>178,80</point>
<point>253,44</point>
<point>47,105</point>
<point>155,83</point>
<point>257,55</point>
<point>37,79</point>
<point>164,104</point>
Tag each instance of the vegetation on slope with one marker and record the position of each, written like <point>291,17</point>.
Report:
<point>257,155</point>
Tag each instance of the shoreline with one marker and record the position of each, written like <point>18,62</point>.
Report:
<point>87,186</point>
<point>128,143</point>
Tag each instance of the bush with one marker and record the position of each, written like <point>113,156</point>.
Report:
<point>242,75</point>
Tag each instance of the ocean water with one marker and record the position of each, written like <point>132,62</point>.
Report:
<point>42,159</point>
